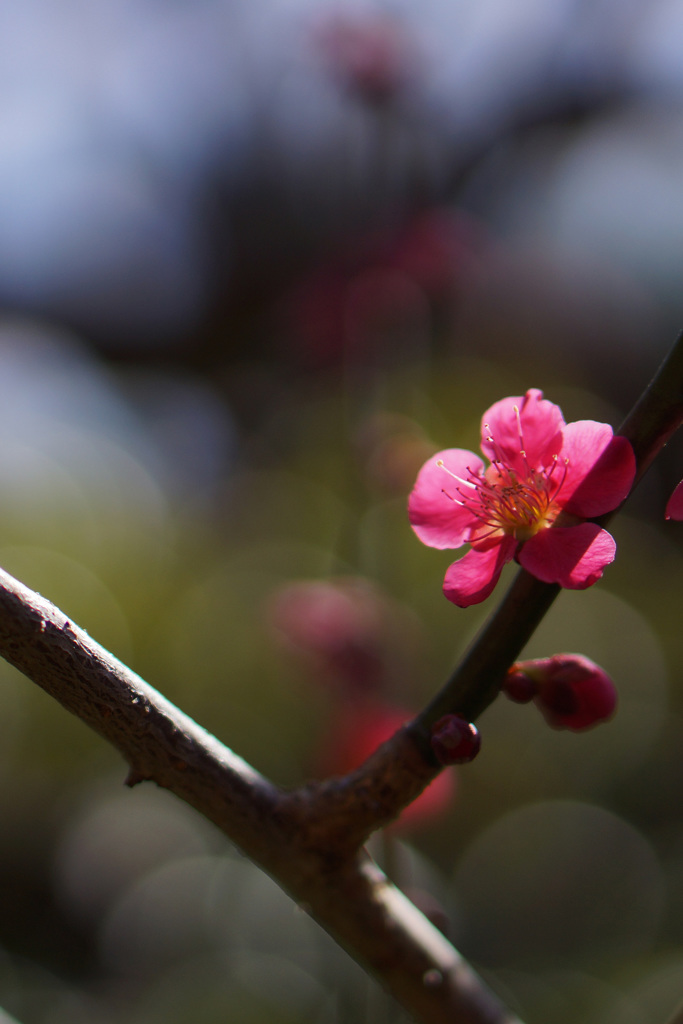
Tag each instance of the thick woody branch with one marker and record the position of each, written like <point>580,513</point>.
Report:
<point>157,740</point>
<point>340,887</point>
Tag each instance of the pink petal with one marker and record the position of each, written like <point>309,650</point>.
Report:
<point>600,468</point>
<point>530,439</point>
<point>471,579</point>
<point>674,507</point>
<point>573,556</point>
<point>436,518</point>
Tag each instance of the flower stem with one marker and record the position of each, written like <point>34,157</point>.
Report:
<point>657,414</point>
<point>476,681</point>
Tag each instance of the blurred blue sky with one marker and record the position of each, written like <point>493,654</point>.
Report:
<point>153,154</point>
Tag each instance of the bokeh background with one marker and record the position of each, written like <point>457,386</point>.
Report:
<point>257,261</point>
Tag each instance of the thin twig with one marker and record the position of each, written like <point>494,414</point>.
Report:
<point>658,413</point>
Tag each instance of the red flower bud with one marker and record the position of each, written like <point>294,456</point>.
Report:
<point>571,691</point>
<point>455,740</point>
<point>519,687</point>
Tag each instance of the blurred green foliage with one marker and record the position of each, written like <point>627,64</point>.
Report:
<point>558,868</point>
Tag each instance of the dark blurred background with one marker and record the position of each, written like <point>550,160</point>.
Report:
<point>258,261</point>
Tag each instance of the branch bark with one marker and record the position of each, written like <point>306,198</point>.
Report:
<point>341,887</point>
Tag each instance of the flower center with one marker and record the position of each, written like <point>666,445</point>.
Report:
<point>501,500</point>
<point>506,500</point>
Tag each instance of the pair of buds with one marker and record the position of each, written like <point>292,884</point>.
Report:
<point>571,691</point>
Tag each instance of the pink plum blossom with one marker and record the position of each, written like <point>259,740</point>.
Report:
<point>674,506</point>
<point>543,473</point>
<point>571,691</point>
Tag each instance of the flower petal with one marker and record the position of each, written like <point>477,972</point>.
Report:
<point>436,518</point>
<point>674,506</point>
<point>600,468</point>
<point>471,579</point>
<point>525,431</point>
<point>573,556</point>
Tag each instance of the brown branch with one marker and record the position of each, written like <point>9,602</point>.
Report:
<point>677,1017</point>
<point>341,888</point>
<point>658,413</point>
<point>309,840</point>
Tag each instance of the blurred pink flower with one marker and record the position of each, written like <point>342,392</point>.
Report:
<point>570,690</point>
<point>359,645</point>
<point>358,729</point>
<point>392,449</point>
<point>340,308</point>
<point>338,626</point>
<point>371,56</point>
<point>674,506</point>
<point>543,472</point>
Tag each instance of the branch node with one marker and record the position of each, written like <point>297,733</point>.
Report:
<point>134,778</point>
